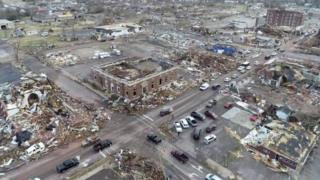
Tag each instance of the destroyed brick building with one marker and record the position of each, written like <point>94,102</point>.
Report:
<point>281,145</point>
<point>133,77</point>
<point>281,17</point>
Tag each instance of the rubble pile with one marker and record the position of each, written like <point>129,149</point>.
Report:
<point>177,40</point>
<point>34,110</point>
<point>210,62</point>
<point>301,81</point>
<point>267,29</point>
<point>314,41</point>
<point>58,59</point>
<point>142,168</point>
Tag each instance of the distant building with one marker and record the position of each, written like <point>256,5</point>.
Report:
<point>43,15</point>
<point>5,24</point>
<point>280,17</point>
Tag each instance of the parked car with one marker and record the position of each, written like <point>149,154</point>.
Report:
<point>248,67</point>
<point>228,105</point>
<point>209,105</point>
<point>204,86</point>
<point>180,156</point>
<point>165,111</point>
<point>197,116</point>
<point>102,145</point>
<point>212,177</point>
<point>213,101</point>
<point>240,68</point>
<point>216,87</point>
<point>227,79</point>
<point>192,122</point>
<point>184,124</point>
<point>90,141</point>
<point>67,164</point>
<point>35,149</point>
<point>178,127</point>
<point>211,115</point>
<point>234,76</point>
<point>209,138</point>
<point>243,71</point>
<point>154,138</point>
<point>211,128</point>
<point>196,134</point>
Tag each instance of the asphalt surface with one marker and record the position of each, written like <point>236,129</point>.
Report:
<point>8,73</point>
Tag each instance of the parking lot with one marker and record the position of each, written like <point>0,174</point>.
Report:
<point>225,150</point>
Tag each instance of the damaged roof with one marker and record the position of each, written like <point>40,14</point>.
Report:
<point>289,140</point>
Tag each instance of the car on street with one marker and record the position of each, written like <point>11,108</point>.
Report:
<point>212,177</point>
<point>209,105</point>
<point>197,116</point>
<point>180,156</point>
<point>196,134</point>
<point>178,127</point>
<point>184,124</point>
<point>89,141</point>
<point>227,79</point>
<point>216,86</point>
<point>213,101</point>
<point>209,138</point>
<point>228,105</point>
<point>165,111</point>
<point>211,114</point>
<point>102,145</point>
<point>211,128</point>
<point>67,164</point>
<point>154,138</point>
<point>204,86</point>
<point>234,76</point>
<point>192,122</point>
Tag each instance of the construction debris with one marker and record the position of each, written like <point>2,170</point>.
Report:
<point>141,167</point>
<point>37,116</point>
<point>58,59</point>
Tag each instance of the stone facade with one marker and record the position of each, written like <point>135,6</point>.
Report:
<point>131,89</point>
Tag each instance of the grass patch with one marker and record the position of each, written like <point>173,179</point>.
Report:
<point>5,34</point>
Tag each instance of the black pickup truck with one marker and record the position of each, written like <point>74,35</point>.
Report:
<point>67,164</point>
<point>154,138</point>
<point>180,156</point>
<point>102,145</point>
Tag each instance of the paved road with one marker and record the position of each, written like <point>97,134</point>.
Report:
<point>121,132</point>
<point>71,87</point>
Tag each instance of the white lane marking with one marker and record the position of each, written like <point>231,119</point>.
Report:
<point>102,154</point>
<point>85,163</point>
<point>147,117</point>
<point>193,174</point>
<point>198,168</point>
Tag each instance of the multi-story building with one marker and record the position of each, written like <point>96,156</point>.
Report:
<point>281,17</point>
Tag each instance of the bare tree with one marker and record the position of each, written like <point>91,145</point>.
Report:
<point>17,50</point>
